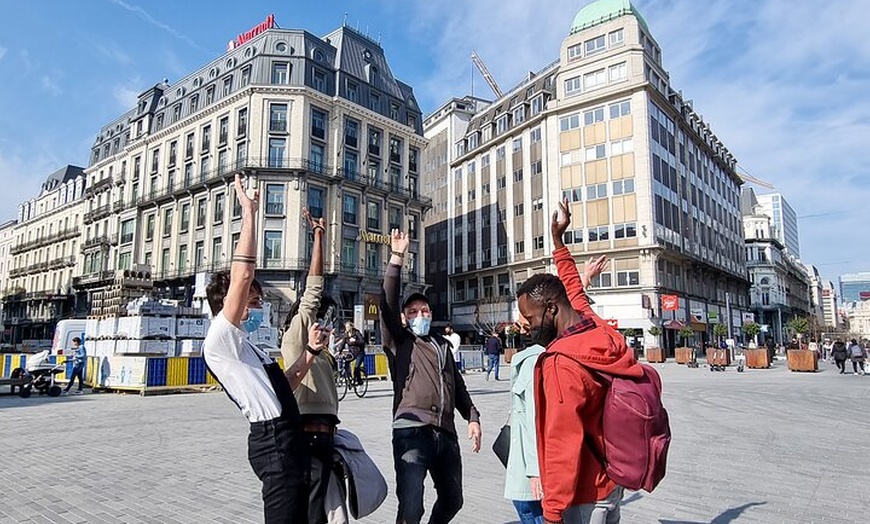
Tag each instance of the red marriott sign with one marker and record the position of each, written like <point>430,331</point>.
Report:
<point>268,23</point>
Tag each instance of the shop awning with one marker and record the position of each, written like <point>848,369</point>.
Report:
<point>674,324</point>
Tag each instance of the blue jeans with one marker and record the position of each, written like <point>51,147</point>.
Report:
<point>493,364</point>
<point>78,372</point>
<point>358,363</point>
<point>529,511</point>
<point>422,450</point>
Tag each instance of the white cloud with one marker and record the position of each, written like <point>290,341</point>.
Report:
<point>50,85</point>
<point>3,51</point>
<point>143,14</point>
<point>783,84</point>
<point>108,50</point>
<point>127,95</point>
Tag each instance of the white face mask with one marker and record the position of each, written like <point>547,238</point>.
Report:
<point>420,325</point>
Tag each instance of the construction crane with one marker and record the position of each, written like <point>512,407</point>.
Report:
<point>751,179</point>
<point>486,76</point>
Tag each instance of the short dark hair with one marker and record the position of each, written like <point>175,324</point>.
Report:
<point>77,340</point>
<point>217,288</point>
<point>543,288</point>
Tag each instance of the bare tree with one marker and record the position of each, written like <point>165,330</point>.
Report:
<point>491,312</point>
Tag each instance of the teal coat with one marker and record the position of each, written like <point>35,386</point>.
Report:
<point>523,459</point>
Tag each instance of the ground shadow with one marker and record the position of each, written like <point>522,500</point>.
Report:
<point>727,516</point>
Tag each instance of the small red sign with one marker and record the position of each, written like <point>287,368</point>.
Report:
<point>670,302</point>
<point>269,23</point>
<point>612,322</point>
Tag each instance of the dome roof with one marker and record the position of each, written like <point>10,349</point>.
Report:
<point>602,11</point>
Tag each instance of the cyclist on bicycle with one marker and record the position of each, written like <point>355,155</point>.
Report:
<point>353,343</point>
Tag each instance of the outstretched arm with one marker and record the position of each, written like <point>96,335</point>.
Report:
<point>574,283</point>
<point>244,258</point>
<point>391,315</point>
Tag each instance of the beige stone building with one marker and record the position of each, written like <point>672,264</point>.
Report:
<point>649,184</point>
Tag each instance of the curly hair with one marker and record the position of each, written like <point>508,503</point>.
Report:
<point>217,288</point>
<point>328,305</point>
<point>543,288</point>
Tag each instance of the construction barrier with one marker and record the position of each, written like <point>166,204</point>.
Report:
<point>152,374</point>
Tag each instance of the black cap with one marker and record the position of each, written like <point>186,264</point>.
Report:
<point>414,297</point>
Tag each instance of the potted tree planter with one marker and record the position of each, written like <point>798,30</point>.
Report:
<point>655,354</point>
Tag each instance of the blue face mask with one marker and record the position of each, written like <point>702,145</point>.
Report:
<point>255,318</point>
<point>420,325</point>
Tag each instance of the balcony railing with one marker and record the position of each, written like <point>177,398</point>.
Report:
<point>102,240</point>
<point>102,184</point>
<point>98,213</point>
<point>46,240</point>
<point>93,278</point>
<point>274,208</point>
<point>283,264</point>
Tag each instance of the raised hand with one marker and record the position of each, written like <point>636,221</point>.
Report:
<point>313,222</point>
<point>399,242</point>
<point>593,268</point>
<point>318,336</point>
<point>560,223</point>
<point>250,205</point>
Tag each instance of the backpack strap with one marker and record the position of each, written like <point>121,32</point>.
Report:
<point>587,439</point>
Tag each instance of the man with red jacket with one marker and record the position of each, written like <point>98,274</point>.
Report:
<point>569,401</point>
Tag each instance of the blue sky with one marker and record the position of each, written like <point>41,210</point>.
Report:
<point>784,84</point>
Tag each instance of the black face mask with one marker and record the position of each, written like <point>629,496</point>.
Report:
<point>546,332</point>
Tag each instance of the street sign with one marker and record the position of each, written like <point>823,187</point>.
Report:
<point>670,302</point>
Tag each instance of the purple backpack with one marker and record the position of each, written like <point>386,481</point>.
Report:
<point>637,433</point>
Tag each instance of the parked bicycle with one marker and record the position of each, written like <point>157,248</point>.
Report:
<point>345,380</point>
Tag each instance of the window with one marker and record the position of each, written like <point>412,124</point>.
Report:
<point>173,152</point>
<point>519,115</point>
<point>167,222</point>
<point>518,144</point>
<point>200,212</point>
<point>538,242</point>
<point>272,249</point>
<point>594,79</point>
<point>484,160</point>
<point>351,133</point>
<point>573,86</point>
<point>316,198</point>
<point>395,218</point>
<point>537,104</point>
<point>246,76</point>
<point>599,234</point>
<point>223,130</point>
<point>518,209</point>
<point>499,153</point>
<point>569,122</point>
<point>277,147</point>
<point>176,113</point>
<point>595,152</point>
<point>394,110</point>
<point>315,158</point>
<point>595,45</point>
<point>206,139</point>
<point>237,206</point>
<point>348,253</point>
<point>185,217</point>
<point>472,195</point>
<point>319,82</point>
<point>209,95</point>
<point>537,204</point>
<point>280,73</point>
<point>149,227</point>
<point>155,160</point>
<point>351,165</point>
<point>603,280</point>
<point>242,128</point>
<point>596,191</point>
<point>535,135</point>
<point>352,91</point>
<point>194,103</point>
<point>274,199</point>
<point>620,109</point>
<point>413,155</point>
<point>621,146</point>
<point>395,150</point>
<point>216,250</point>
<point>199,254</point>
<point>164,260</point>
<point>373,216</point>
<point>618,72</point>
<point>349,208</point>
<point>592,116</point>
<point>518,175</point>
<point>127,231</point>
<point>188,148</point>
<point>228,86</point>
<point>374,142</point>
<point>575,52</point>
<point>218,216</point>
<point>623,186</point>
<point>318,124</point>
<point>375,102</point>
<point>501,124</point>
<point>616,37</point>
<point>573,194</point>
<point>182,257</point>
<point>501,182</point>
<point>413,223</point>
<point>625,230</point>
<point>278,118</point>
<point>627,278</point>
<point>537,168</point>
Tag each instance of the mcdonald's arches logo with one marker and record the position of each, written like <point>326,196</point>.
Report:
<point>372,307</point>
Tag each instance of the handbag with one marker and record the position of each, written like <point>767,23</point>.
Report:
<point>502,445</point>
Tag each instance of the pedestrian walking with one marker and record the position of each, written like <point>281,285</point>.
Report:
<point>493,352</point>
<point>453,337</point>
<point>840,353</point>
<point>427,389</point>
<point>857,354</point>
<point>78,371</point>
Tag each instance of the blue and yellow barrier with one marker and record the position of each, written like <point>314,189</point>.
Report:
<point>161,373</point>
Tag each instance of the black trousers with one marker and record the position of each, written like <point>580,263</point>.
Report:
<point>279,458</point>
<point>857,366</point>
<point>422,450</point>
<point>841,364</point>
<point>321,450</point>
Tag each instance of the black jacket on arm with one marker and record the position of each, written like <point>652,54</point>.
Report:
<point>427,387</point>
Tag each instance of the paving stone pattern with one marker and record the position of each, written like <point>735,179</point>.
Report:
<point>765,446</point>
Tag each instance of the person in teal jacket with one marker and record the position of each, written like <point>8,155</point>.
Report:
<point>522,483</point>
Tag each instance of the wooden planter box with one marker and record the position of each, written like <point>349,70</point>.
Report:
<point>757,358</point>
<point>655,355</point>
<point>802,360</point>
<point>684,355</point>
<point>718,357</point>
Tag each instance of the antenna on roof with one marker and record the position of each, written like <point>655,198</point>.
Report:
<point>344,22</point>
<point>379,39</point>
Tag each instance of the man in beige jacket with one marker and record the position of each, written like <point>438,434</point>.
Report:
<point>316,394</point>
